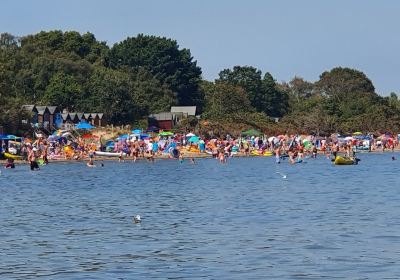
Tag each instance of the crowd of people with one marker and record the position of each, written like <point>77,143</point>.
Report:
<point>178,146</point>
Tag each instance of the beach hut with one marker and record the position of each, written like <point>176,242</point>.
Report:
<point>98,119</point>
<point>163,120</point>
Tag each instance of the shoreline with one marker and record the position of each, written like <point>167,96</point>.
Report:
<point>185,155</point>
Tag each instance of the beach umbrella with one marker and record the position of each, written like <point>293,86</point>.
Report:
<point>166,133</point>
<point>84,125</point>
<point>357,133</point>
<point>123,136</point>
<point>144,136</point>
<point>194,139</point>
<point>137,131</point>
<point>190,134</point>
<point>153,129</point>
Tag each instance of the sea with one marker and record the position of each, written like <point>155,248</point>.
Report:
<point>250,218</point>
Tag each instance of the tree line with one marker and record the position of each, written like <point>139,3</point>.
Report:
<point>149,74</point>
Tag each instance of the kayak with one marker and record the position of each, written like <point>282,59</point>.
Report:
<point>11,156</point>
<point>343,161</point>
<point>108,154</point>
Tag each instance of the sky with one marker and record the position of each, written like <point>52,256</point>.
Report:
<point>284,37</point>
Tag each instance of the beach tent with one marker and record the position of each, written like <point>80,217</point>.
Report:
<point>84,125</point>
<point>251,132</point>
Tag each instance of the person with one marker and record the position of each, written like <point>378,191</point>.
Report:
<point>222,158</point>
<point>120,156</point>
<point>278,154</point>
<point>90,164</point>
<point>335,150</point>
<point>32,159</point>
<point>91,156</point>
<point>192,160</point>
<point>10,163</point>
<point>314,151</point>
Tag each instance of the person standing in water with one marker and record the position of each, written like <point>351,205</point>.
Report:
<point>278,154</point>
<point>32,159</point>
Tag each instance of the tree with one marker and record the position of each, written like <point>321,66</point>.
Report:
<point>262,93</point>
<point>342,83</point>
<point>64,91</point>
<point>224,100</point>
<point>149,95</point>
<point>110,93</point>
<point>249,78</point>
<point>165,61</point>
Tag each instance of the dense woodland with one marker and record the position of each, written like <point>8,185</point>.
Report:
<point>148,74</point>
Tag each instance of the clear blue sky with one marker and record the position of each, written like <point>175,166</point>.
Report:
<point>286,38</point>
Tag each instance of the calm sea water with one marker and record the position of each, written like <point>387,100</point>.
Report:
<point>240,220</point>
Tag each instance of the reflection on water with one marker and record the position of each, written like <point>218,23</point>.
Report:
<point>241,220</point>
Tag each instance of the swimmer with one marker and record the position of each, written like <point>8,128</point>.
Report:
<point>137,219</point>
<point>192,161</point>
<point>393,158</point>
<point>10,163</point>
<point>90,164</point>
<point>181,157</point>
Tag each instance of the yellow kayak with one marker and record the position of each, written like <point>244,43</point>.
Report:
<point>11,156</point>
<point>343,161</point>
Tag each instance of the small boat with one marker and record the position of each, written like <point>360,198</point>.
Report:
<point>344,161</point>
<point>108,154</point>
<point>11,156</point>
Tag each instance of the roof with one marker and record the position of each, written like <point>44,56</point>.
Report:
<point>190,110</point>
<point>87,115</point>
<point>80,115</point>
<point>64,116</point>
<point>72,115</point>
<point>28,107</point>
<point>52,109</point>
<point>41,109</point>
<point>165,116</point>
<point>100,115</point>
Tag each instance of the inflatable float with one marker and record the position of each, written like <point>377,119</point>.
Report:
<point>258,153</point>
<point>344,161</point>
<point>11,156</point>
<point>108,154</point>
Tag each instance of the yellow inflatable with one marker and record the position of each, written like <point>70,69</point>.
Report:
<point>69,151</point>
<point>257,153</point>
<point>10,156</point>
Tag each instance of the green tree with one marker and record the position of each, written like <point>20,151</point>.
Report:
<point>111,94</point>
<point>263,93</point>
<point>64,91</point>
<point>342,83</point>
<point>165,61</point>
<point>224,100</point>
